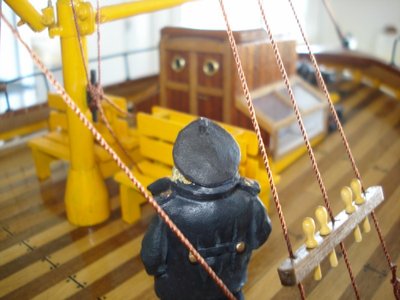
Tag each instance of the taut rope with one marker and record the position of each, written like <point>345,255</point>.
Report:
<point>395,281</point>
<point>261,145</point>
<point>96,90</point>
<point>306,141</point>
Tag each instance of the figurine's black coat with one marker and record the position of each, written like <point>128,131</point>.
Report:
<point>214,220</point>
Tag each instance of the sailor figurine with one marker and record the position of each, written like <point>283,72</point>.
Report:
<point>216,209</point>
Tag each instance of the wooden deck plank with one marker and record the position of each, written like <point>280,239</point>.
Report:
<point>15,176</point>
<point>18,195</point>
<point>105,264</point>
<point>373,275</point>
<point>28,231</point>
<point>365,151</point>
<point>385,290</point>
<point>12,253</point>
<point>4,234</point>
<point>87,242</point>
<point>20,205</point>
<point>115,277</point>
<point>50,234</point>
<point>352,125</point>
<point>61,246</point>
<point>132,288</point>
<point>110,261</point>
<point>19,279</point>
<point>35,216</point>
<point>59,290</point>
<point>78,263</point>
<point>30,245</point>
<point>29,209</point>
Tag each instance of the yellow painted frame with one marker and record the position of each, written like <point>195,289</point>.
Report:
<point>86,196</point>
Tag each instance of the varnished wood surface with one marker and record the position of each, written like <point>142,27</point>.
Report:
<point>42,256</point>
<point>370,66</point>
<point>191,90</point>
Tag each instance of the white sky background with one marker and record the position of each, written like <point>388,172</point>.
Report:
<point>242,15</point>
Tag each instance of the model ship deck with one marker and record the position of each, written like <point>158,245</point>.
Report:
<point>42,256</point>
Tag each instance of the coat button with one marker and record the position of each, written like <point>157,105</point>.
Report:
<point>192,259</point>
<point>240,247</point>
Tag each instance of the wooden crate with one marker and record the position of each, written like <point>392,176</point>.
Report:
<point>198,73</point>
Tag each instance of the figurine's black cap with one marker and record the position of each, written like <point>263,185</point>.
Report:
<point>206,154</point>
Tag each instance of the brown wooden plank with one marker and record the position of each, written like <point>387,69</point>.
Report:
<point>103,265</point>
<point>4,235</point>
<point>66,246</point>
<point>134,288</point>
<point>42,283</point>
<point>34,216</point>
<point>40,217</point>
<point>19,206</point>
<point>123,257</point>
<point>17,280</point>
<point>59,290</point>
<point>133,268</point>
<point>10,182</point>
<point>86,243</point>
<point>365,152</point>
<point>385,291</point>
<point>13,252</point>
<point>30,186</point>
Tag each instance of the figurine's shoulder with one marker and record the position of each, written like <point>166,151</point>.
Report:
<point>250,186</point>
<point>161,190</point>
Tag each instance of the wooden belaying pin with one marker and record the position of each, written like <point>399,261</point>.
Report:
<point>359,199</point>
<point>322,218</point>
<point>311,242</point>
<point>347,197</point>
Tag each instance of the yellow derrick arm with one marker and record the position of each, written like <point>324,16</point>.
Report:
<point>124,10</point>
<point>29,15</point>
<point>39,21</point>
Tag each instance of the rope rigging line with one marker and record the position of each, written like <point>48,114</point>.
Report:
<point>96,90</point>
<point>339,32</point>
<point>395,281</point>
<point>257,130</point>
<point>306,141</point>
<point>99,72</point>
<point>163,215</point>
<point>98,42</point>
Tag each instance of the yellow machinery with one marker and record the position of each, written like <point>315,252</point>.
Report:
<point>86,195</point>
